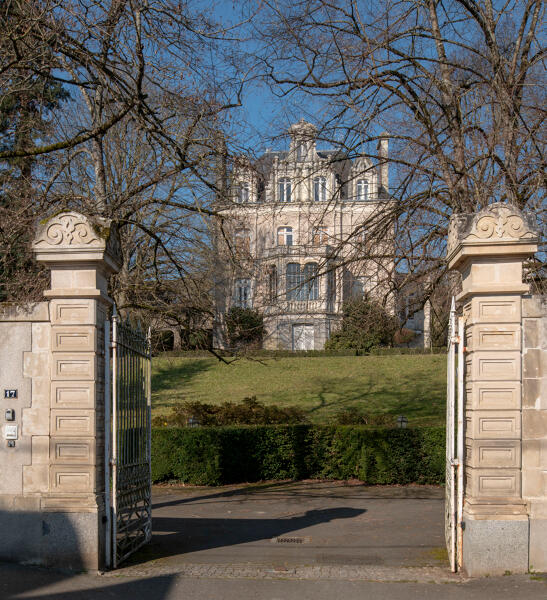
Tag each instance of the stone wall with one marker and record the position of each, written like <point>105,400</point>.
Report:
<point>505,484</point>
<point>534,425</point>
<point>52,481</point>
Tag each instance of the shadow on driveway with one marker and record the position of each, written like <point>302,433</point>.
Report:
<point>319,523</point>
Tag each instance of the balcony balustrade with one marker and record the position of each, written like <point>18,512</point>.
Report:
<point>298,307</point>
<point>309,251</point>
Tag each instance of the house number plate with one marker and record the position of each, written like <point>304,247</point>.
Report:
<point>10,393</point>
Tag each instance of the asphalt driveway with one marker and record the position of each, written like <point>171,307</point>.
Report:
<point>297,524</point>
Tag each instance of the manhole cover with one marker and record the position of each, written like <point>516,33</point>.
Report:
<point>291,540</point>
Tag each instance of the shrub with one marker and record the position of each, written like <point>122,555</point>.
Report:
<point>403,336</point>
<point>244,328</point>
<point>248,412</point>
<point>353,416</point>
<point>222,455</point>
<point>365,325</point>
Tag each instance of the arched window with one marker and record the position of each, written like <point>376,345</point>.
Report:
<point>362,190</point>
<point>320,189</point>
<point>310,282</point>
<point>293,281</point>
<point>242,193</point>
<point>284,236</point>
<point>284,188</point>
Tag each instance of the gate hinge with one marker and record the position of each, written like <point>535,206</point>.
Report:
<point>462,525</point>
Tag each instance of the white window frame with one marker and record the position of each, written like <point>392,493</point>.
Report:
<point>320,189</point>
<point>243,193</point>
<point>242,240</point>
<point>242,293</point>
<point>320,235</point>
<point>285,234</point>
<point>284,189</point>
<point>361,188</point>
<point>310,280</point>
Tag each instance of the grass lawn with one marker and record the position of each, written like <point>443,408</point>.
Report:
<point>411,385</point>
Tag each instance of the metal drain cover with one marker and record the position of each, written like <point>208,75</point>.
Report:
<point>291,540</point>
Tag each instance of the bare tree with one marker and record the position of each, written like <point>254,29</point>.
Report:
<point>459,85</point>
<point>149,85</point>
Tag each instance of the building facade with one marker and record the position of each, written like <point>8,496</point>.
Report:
<point>295,242</point>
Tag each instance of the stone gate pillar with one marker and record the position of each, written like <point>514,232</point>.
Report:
<point>52,507</point>
<point>488,248</point>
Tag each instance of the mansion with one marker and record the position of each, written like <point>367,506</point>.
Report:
<point>295,244</point>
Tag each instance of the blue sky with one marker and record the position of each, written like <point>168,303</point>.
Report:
<point>264,116</point>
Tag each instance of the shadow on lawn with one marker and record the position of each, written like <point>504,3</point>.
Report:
<point>418,401</point>
<point>174,375</point>
<point>420,398</point>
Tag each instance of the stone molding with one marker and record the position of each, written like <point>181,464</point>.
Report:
<point>68,229</point>
<point>496,223</point>
<point>73,237</point>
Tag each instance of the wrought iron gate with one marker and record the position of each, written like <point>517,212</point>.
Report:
<point>454,439</point>
<point>127,444</point>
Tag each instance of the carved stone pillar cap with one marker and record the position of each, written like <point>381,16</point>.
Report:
<point>71,237</point>
<point>497,229</point>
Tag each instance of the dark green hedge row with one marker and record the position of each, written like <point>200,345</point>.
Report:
<point>222,455</point>
<point>299,353</point>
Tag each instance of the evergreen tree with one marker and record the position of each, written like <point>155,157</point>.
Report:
<point>27,99</point>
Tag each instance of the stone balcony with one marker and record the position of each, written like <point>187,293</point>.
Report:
<point>308,251</point>
<point>299,307</point>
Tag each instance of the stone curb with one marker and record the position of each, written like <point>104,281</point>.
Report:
<point>348,573</point>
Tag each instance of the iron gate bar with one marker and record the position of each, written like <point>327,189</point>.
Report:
<point>454,485</point>
<point>107,445</point>
<point>450,483</point>
<point>131,429</point>
<point>460,441</point>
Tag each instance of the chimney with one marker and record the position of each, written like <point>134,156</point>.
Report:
<point>383,165</point>
<point>221,166</point>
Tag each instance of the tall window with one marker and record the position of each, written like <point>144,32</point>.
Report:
<point>320,236</point>
<point>284,236</point>
<point>331,286</point>
<point>320,189</point>
<point>284,188</point>
<point>362,190</point>
<point>358,287</point>
<point>293,281</point>
<point>300,152</point>
<point>302,284</point>
<point>272,282</point>
<point>242,240</point>
<point>242,293</point>
<point>242,193</point>
<point>310,283</point>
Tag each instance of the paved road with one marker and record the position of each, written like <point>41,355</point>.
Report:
<point>316,540</point>
<point>18,582</point>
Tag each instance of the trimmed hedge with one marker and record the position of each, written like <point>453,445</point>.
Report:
<point>222,455</point>
<point>308,353</point>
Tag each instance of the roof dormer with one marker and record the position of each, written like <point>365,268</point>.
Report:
<point>303,136</point>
